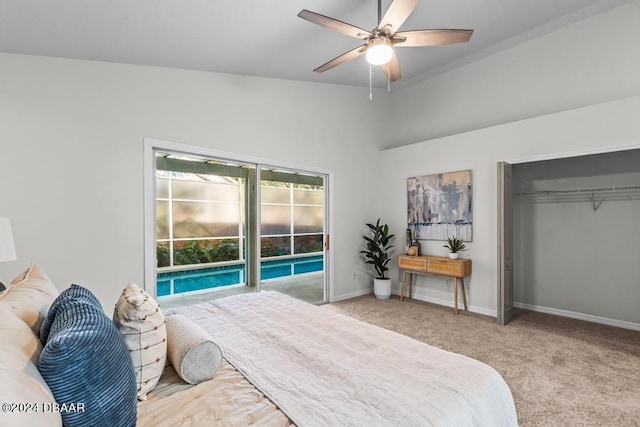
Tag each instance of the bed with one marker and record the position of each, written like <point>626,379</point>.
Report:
<point>285,362</point>
<point>311,366</point>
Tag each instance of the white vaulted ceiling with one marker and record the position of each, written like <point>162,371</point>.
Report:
<point>266,38</point>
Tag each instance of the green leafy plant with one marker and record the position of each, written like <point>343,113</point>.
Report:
<point>199,252</point>
<point>455,244</point>
<point>378,248</point>
<point>162,255</point>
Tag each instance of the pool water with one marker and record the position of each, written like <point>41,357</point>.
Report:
<point>214,277</point>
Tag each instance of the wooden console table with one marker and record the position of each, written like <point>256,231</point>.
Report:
<point>438,266</point>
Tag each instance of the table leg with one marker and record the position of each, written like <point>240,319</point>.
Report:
<point>404,279</point>
<point>455,295</point>
<point>411,285</point>
<point>464,294</point>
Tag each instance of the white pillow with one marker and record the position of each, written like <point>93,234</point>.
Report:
<point>140,320</point>
<point>29,396</point>
<point>192,352</point>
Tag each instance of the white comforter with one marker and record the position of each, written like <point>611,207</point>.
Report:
<point>325,369</point>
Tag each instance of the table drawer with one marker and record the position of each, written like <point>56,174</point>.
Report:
<point>449,268</point>
<point>412,263</point>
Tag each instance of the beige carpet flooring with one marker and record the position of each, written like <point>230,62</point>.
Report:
<point>562,372</point>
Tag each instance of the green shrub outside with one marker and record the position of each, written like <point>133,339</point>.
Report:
<point>211,251</point>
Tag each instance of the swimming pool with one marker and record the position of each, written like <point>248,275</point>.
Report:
<point>214,277</point>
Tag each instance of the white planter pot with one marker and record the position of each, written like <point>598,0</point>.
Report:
<point>453,255</point>
<point>382,288</point>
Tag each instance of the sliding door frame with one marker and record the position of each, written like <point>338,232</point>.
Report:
<point>151,146</point>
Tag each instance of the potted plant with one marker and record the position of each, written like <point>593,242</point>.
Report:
<point>378,248</point>
<point>455,245</point>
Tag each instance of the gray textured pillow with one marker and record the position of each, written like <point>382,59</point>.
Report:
<point>191,351</point>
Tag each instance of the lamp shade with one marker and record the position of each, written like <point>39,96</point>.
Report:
<point>7,247</point>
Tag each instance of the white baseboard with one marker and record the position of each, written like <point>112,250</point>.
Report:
<point>448,303</point>
<point>351,295</point>
<point>580,316</point>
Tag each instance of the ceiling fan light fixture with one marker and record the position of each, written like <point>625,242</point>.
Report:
<point>379,51</point>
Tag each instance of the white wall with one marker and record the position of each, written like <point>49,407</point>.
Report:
<point>71,156</point>
<point>71,143</point>
<point>599,127</point>
<point>568,257</point>
<point>571,90</point>
<point>592,61</point>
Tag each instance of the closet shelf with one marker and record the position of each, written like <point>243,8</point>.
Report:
<point>599,190</point>
<point>595,195</point>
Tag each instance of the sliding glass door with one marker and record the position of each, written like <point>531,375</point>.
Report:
<point>201,232</point>
<point>292,234</point>
<point>224,227</point>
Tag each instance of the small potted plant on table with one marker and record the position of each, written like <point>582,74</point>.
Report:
<point>378,248</point>
<point>455,245</point>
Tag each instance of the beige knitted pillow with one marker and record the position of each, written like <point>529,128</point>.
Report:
<point>140,320</point>
<point>192,352</point>
<point>30,295</point>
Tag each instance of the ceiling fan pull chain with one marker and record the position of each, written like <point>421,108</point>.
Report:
<point>370,84</point>
<point>389,77</point>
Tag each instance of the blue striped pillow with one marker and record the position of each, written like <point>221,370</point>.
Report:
<point>85,362</point>
<point>72,292</point>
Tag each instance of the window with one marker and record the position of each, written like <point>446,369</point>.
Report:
<point>292,218</point>
<point>199,218</point>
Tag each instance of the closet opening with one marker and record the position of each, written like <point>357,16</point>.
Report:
<point>575,237</point>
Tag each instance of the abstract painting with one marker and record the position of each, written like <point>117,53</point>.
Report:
<point>439,206</point>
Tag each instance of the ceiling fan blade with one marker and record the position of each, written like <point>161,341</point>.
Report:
<point>392,69</point>
<point>353,53</point>
<point>419,38</point>
<point>395,16</point>
<point>334,24</point>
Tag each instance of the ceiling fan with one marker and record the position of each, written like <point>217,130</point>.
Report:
<point>380,41</point>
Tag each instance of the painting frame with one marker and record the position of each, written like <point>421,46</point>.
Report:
<point>440,205</point>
